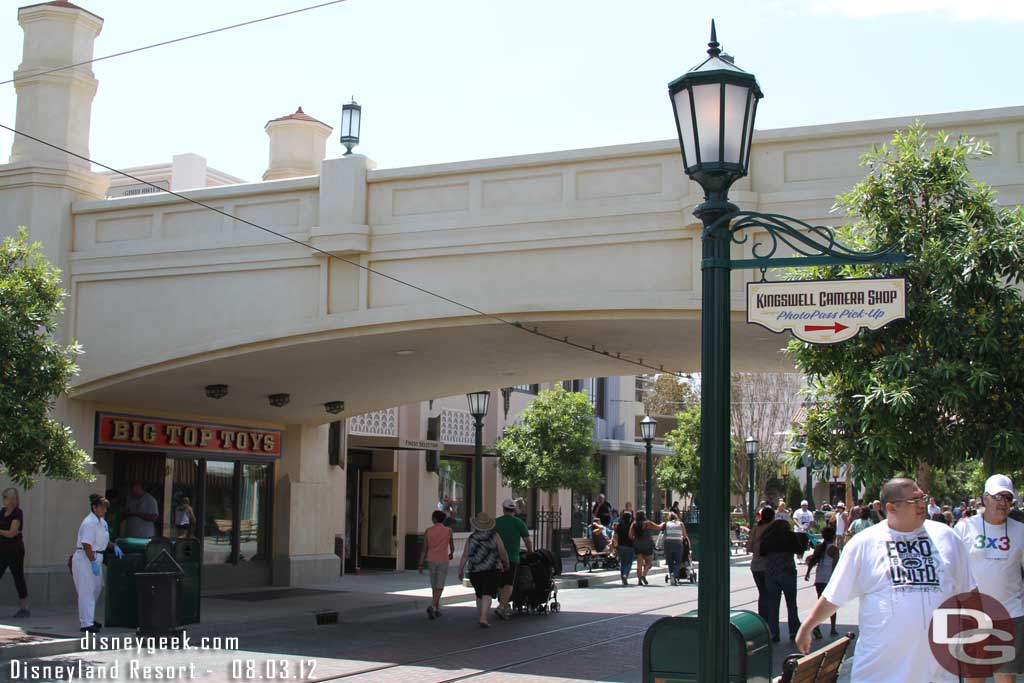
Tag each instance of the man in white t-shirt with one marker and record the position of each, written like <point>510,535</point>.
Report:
<point>933,508</point>
<point>901,569</point>
<point>995,546</point>
<point>803,517</point>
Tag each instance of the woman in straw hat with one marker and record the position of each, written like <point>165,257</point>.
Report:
<point>483,557</point>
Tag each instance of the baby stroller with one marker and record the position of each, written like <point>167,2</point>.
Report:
<point>534,583</point>
<point>687,570</point>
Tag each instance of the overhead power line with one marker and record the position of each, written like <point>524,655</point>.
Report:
<point>177,40</point>
<point>528,328</point>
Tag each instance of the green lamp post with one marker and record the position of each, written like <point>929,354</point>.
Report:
<point>648,427</point>
<point>478,403</point>
<point>715,103</point>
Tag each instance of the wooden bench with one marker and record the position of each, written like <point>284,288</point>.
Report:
<point>821,666</point>
<point>587,553</point>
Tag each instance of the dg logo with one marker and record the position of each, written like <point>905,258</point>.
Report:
<point>971,635</point>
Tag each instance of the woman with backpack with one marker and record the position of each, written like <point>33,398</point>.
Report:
<point>643,545</point>
<point>778,546</point>
<point>824,557</point>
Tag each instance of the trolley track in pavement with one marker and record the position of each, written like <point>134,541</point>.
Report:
<point>540,657</point>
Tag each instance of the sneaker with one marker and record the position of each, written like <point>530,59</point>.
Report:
<point>437,612</point>
<point>504,613</point>
<point>22,614</point>
<point>624,582</point>
<point>430,612</point>
<point>484,625</point>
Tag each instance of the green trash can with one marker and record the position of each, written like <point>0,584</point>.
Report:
<point>670,649</point>
<point>119,601</point>
<point>188,553</point>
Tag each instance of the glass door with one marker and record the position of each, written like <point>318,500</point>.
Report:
<point>379,537</point>
<point>219,514</point>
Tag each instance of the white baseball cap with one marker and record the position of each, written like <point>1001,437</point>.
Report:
<point>803,502</point>
<point>998,483</point>
<point>508,504</point>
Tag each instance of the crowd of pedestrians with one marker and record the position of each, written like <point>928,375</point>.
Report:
<point>902,557</point>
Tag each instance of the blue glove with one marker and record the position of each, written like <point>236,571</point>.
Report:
<point>95,567</point>
<point>118,553</point>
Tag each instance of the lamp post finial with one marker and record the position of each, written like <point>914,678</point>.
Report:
<point>713,47</point>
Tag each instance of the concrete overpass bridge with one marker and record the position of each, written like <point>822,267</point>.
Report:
<point>598,246</point>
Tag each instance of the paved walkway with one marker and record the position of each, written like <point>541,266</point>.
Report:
<point>382,634</point>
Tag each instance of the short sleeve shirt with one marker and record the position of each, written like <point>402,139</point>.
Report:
<point>95,532</point>
<point>996,553</point>
<point>5,524</point>
<point>900,578</point>
<point>512,530</point>
<point>804,518</point>
<point>135,527</point>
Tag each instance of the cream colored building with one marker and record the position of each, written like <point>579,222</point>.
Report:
<point>598,246</point>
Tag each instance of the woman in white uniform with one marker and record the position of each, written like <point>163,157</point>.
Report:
<point>87,562</point>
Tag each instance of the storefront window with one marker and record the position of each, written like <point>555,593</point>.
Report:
<point>254,513</point>
<point>219,513</point>
<point>453,491</point>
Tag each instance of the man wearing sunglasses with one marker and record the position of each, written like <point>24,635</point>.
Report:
<point>996,547</point>
<point>901,569</point>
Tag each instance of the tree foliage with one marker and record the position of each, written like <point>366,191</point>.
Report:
<point>667,395</point>
<point>681,471</point>
<point>34,368</point>
<point>945,384</point>
<point>551,446</point>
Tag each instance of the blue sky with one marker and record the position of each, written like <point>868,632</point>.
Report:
<point>445,80</point>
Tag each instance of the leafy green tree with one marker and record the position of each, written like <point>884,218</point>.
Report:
<point>681,471</point>
<point>551,446</point>
<point>34,368</point>
<point>944,385</point>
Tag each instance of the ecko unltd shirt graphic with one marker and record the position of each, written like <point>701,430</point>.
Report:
<point>913,564</point>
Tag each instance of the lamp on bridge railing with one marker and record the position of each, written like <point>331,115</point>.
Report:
<point>351,121</point>
<point>478,403</point>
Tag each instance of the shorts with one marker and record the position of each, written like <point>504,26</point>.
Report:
<point>508,578</point>
<point>1017,665</point>
<point>438,574</point>
<point>485,583</point>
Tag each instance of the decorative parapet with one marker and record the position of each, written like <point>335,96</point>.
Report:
<point>457,427</point>
<point>377,423</point>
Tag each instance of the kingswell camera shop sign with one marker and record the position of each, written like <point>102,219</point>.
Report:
<point>826,311</point>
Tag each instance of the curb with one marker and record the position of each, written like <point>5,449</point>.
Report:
<point>44,648</point>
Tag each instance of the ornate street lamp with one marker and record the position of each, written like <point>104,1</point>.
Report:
<point>351,121</point>
<point>648,428</point>
<point>715,104</point>
<point>752,444</point>
<point>478,402</point>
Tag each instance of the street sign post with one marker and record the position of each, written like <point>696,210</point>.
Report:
<point>826,311</point>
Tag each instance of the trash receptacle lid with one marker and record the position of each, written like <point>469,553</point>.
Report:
<point>163,564</point>
<point>132,545</point>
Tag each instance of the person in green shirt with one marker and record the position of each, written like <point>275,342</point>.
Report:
<point>511,529</point>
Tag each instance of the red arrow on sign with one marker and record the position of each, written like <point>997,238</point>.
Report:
<point>835,327</point>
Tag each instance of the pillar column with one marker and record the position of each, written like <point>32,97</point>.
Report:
<point>304,509</point>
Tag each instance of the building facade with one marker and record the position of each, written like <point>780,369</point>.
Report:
<point>218,344</point>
